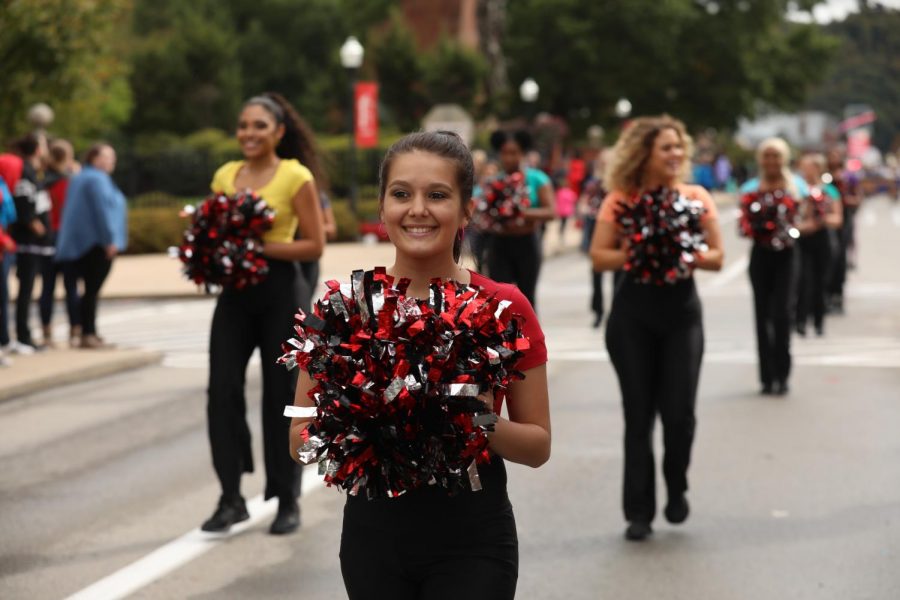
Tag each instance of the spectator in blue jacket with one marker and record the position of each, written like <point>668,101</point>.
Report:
<point>92,232</point>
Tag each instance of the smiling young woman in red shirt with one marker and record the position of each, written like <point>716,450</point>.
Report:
<point>426,544</point>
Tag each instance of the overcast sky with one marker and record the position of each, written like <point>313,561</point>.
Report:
<point>835,10</point>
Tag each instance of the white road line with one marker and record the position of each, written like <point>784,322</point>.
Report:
<point>183,550</point>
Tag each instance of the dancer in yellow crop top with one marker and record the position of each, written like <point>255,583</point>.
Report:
<point>281,166</point>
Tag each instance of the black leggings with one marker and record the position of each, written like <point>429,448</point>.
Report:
<point>515,259</point>
<point>772,275</point>
<point>257,317</point>
<point>655,341</point>
<point>426,545</point>
<point>839,263</point>
<point>27,268</point>
<point>815,265</point>
<point>92,268</point>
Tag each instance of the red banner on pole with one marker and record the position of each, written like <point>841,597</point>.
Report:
<point>366,113</point>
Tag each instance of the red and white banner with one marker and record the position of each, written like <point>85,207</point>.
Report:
<point>858,142</point>
<point>365,105</point>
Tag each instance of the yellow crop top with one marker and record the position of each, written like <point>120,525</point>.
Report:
<point>288,179</point>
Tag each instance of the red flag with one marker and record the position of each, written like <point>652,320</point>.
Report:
<point>366,117</point>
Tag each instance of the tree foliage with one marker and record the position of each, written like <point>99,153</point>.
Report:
<point>705,61</point>
<point>867,70</point>
<point>65,53</point>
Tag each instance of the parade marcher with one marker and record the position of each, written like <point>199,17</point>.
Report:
<point>426,544</point>
<point>514,255</point>
<point>773,268</point>
<point>61,166</point>
<point>654,334</point>
<point>93,230</point>
<point>31,232</point>
<point>847,184</point>
<point>820,218</point>
<point>589,204</point>
<point>279,165</point>
<point>309,269</point>
<point>485,170</point>
<point>566,199</point>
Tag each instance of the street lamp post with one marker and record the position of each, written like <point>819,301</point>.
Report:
<point>528,92</point>
<point>623,108</point>
<point>351,59</point>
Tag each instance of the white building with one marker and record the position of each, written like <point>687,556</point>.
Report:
<point>809,130</point>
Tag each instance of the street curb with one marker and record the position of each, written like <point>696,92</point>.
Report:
<point>135,359</point>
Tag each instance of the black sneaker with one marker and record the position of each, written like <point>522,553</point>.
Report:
<point>767,389</point>
<point>638,531</point>
<point>781,388</point>
<point>227,514</point>
<point>288,518</point>
<point>677,510</point>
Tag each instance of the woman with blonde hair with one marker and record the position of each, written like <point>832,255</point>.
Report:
<point>655,332</point>
<point>772,265</point>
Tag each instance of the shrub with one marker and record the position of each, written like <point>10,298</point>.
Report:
<point>154,229</point>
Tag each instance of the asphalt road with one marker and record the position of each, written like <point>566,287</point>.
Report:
<point>792,498</point>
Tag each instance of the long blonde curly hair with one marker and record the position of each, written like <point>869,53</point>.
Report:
<point>625,169</point>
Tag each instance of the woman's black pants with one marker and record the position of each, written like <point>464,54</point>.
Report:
<point>815,265</point>
<point>515,259</point>
<point>426,545</point>
<point>257,317</point>
<point>92,269</point>
<point>773,275</point>
<point>655,341</point>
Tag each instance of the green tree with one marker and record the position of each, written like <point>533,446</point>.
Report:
<point>454,74</point>
<point>706,61</point>
<point>185,71</point>
<point>65,53</point>
<point>400,73</point>
<point>867,70</point>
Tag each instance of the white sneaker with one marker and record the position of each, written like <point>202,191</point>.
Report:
<point>4,360</point>
<point>18,347</point>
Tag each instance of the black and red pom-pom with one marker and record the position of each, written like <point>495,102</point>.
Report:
<point>398,382</point>
<point>223,245</point>
<point>664,234</point>
<point>768,218</point>
<point>502,203</point>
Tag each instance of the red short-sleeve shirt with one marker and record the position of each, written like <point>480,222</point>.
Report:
<point>694,192</point>
<point>536,355</point>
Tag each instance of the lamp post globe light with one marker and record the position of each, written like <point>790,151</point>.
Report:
<point>529,90</point>
<point>352,53</point>
<point>623,108</point>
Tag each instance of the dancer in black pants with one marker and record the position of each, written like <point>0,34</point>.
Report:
<point>514,255</point>
<point>279,165</point>
<point>846,185</point>
<point>773,274</point>
<point>426,545</point>
<point>589,208</point>
<point>821,216</point>
<point>773,268</point>
<point>654,334</point>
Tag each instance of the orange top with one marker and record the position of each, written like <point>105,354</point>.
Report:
<point>695,192</point>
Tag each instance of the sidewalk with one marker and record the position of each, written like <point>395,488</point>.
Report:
<point>46,370</point>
